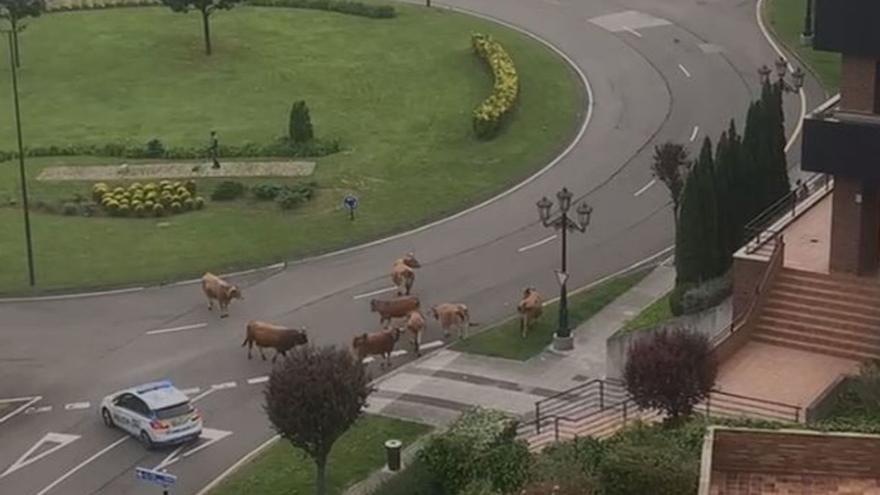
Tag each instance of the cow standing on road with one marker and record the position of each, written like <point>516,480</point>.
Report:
<point>215,287</point>
<point>403,273</point>
<point>377,343</point>
<point>415,325</point>
<point>277,337</point>
<point>394,308</point>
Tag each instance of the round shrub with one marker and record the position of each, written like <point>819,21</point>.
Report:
<point>124,210</point>
<point>148,204</point>
<point>139,210</point>
<point>289,200</point>
<point>151,196</point>
<point>199,202</point>
<point>99,190</point>
<point>180,191</point>
<point>69,209</point>
<point>227,191</point>
<point>629,469</point>
<point>134,185</point>
<point>176,185</point>
<point>190,186</point>
<point>267,191</point>
<point>150,186</point>
<point>164,182</point>
<point>118,190</point>
<point>189,204</point>
<point>158,210</point>
<point>176,207</point>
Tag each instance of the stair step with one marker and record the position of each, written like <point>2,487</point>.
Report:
<point>855,356</point>
<point>795,325</point>
<point>822,302</point>
<point>812,310</point>
<point>825,292</point>
<point>803,317</point>
<point>830,342</point>
<point>849,283</point>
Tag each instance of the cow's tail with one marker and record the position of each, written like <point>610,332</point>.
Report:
<point>246,340</point>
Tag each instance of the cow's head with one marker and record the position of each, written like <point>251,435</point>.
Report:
<point>395,333</point>
<point>411,261</point>
<point>528,292</point>
<point>358,342</point>
<point>294,338</point>
<point>233,292</point>
<point>435,313</point>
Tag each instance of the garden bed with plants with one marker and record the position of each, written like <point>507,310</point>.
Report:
<point>103,84</point>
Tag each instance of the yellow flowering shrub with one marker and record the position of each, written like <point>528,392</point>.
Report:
<point>488,114</point>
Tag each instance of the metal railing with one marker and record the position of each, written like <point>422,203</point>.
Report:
<point>761,229</point>
<point>589,396</point>
<point>729,405</point>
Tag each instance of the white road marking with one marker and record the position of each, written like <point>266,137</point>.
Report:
<point>71,296</point>
<point>632,31</point>
<point>645,188</point>
<point>368,360</point>
<point>212,436</point>
<point>221,386</point>
<point>399,352</point>
<point>59,439</point>
<point>374,293</point>
<point>695,133</point>
<point>244,460</point>
<point>686,73</point>
<point>38,410</point>
<point>431,345</point>
<point>76,406</point>
<point>191,391</point>
<point>177,329</point>
<point>82,465</point>
<point>259,379</point>
<point>629,19</point>
<point>27,403</point>
<point>536,244</point>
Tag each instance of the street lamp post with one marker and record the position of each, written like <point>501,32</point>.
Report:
<point>797,76</point>
<point>563,340</point>
<point>24,196</point>
<point>807,35</point>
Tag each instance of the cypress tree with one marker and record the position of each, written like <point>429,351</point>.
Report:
<point>778,182</point>
<point>724,196</point>
<point>688,244</point>
<point>698,254</point>
<point>751,186</point>
<point>712,259</point>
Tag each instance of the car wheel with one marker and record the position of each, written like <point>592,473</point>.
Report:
<point>108,419</point>
<point>144,438</point>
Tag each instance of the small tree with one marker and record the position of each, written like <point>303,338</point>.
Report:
<point>14,12</point>
<point>670,166</point>
<point>206,7</point>
<point>313,397</point>
<point>300,129</point>
<point>672,371</point>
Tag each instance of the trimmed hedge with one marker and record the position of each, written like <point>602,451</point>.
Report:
<point>489,114</point>
<point>339,6</point>
<point>155,149</point>
<point>150,199</point>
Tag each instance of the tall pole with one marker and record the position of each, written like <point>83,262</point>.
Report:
<point>808,20</point>
<point>563,294</point>
<point>24,196</point>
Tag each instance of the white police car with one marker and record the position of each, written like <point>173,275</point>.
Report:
<point>154,413</point>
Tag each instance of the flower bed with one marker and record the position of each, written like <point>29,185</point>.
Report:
<point>151,199</point>
<point>489,114</point>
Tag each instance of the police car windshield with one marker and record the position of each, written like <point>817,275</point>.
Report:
<point>174,411</point>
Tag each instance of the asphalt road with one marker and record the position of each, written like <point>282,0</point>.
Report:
<point>662,70</point>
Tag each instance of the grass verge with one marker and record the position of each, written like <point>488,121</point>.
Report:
<point>404,120</point>
<point>505,340</point>
<point>284,470</point>
<point>786,20</point>
<point>653,315</point>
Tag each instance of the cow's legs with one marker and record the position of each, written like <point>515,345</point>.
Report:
<point>224,312</point>
<point>250,347</point>
<point>416,343</point>
<point>261,352</point>
<point>210,304</point>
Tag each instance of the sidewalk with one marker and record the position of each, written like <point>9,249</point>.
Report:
<point>436,388</point>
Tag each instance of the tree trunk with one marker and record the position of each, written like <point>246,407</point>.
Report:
<point>205,24</point>
<point>321,481</point>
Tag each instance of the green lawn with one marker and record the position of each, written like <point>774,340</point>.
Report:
<point>398,93</point>
<point>505,340</point>
<point>656,313</point>
<point>786,19</point>
<point>283,470</point>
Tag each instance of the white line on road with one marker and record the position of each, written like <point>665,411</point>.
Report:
<point>191,391</point>
<point>259,379</point>
<point>431,345</point>
<point>374,293</point>
<point>38,410</point>
<point>224,385</point>
<point>59,439</point>
<point>177,329</point>
<point>368,360</point>
<point>536,244</point>
<point>645,188</point>
<point>399,352</point>
<point>686,73</point>
<point>75,406</point>
<point>632,31</point>
<point>30,400</point>
<point>82,465</point>
<point>694,134</point>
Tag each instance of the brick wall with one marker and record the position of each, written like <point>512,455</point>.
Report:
<point>855,227</point>
<point>857,84</point>
<point>801,453</point>
<point>788,484</point>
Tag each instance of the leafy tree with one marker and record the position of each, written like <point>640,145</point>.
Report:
<point>206,7</point>
<point>313,397</point>
<point>671,370</point>
<point>300,129</point>
<point>670,166</point>
<point>14,12</point>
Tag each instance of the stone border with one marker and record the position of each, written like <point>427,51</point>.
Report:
<point>177,170</point>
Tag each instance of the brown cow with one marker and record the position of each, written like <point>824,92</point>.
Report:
<point>268,335</point>
<point>403,274</point>
<point>377,343</point>
<point>453,315</point>
<point>415,325</point>
<point>215,287</point>
<point>393,308</point>
<point>529,308</point>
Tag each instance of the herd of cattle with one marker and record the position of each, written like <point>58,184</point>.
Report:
<point>405,308</point>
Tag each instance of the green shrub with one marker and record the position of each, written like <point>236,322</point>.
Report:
<point>289,200</point>
<point>267,191</point>
<point>507,466</point>
<point>199,202</point>
<point>638,469</point>
<point>340,6</point>
<point>124,210</point>
<point>227,191</point>
<point>158,210</point>
<point>479,487</point>
<point>188,204</point>
<point>707,295</point>
<point>300,128</point>
<point>190,186</point>
<point>676,298</point>
<point>488,115</point>
<point>414,479</point>
<point>69,209</point>
<point>140,210</point>
<point>176,207</point>
<point>154,149</point>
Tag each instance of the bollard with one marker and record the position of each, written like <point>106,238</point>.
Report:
<point>392,454</point>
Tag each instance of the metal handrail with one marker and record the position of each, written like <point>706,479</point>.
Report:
<point>755,229</point>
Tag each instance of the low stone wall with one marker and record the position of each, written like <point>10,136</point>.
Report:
<point>710,323</point>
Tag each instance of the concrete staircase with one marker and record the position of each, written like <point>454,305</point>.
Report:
<point>836,315</point>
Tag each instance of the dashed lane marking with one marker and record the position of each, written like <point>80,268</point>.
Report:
<point>224,385</point>
<point>683,69</point>
<point>259,379</point>
<point>645,188</point>
<point>536,244</point>
<point>177,329</point>
<point>431,345</point>
<point>399,352</point>
<point>77,406</point>
<point>695,133</point>
<point>191,391</point>
<point>38,410</point>
<point>374,293</point>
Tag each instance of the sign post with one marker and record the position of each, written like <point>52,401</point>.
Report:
<point>350,202</point>
<point>155,477</point>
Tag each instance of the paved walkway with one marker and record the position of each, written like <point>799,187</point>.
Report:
<point>436,388</point>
